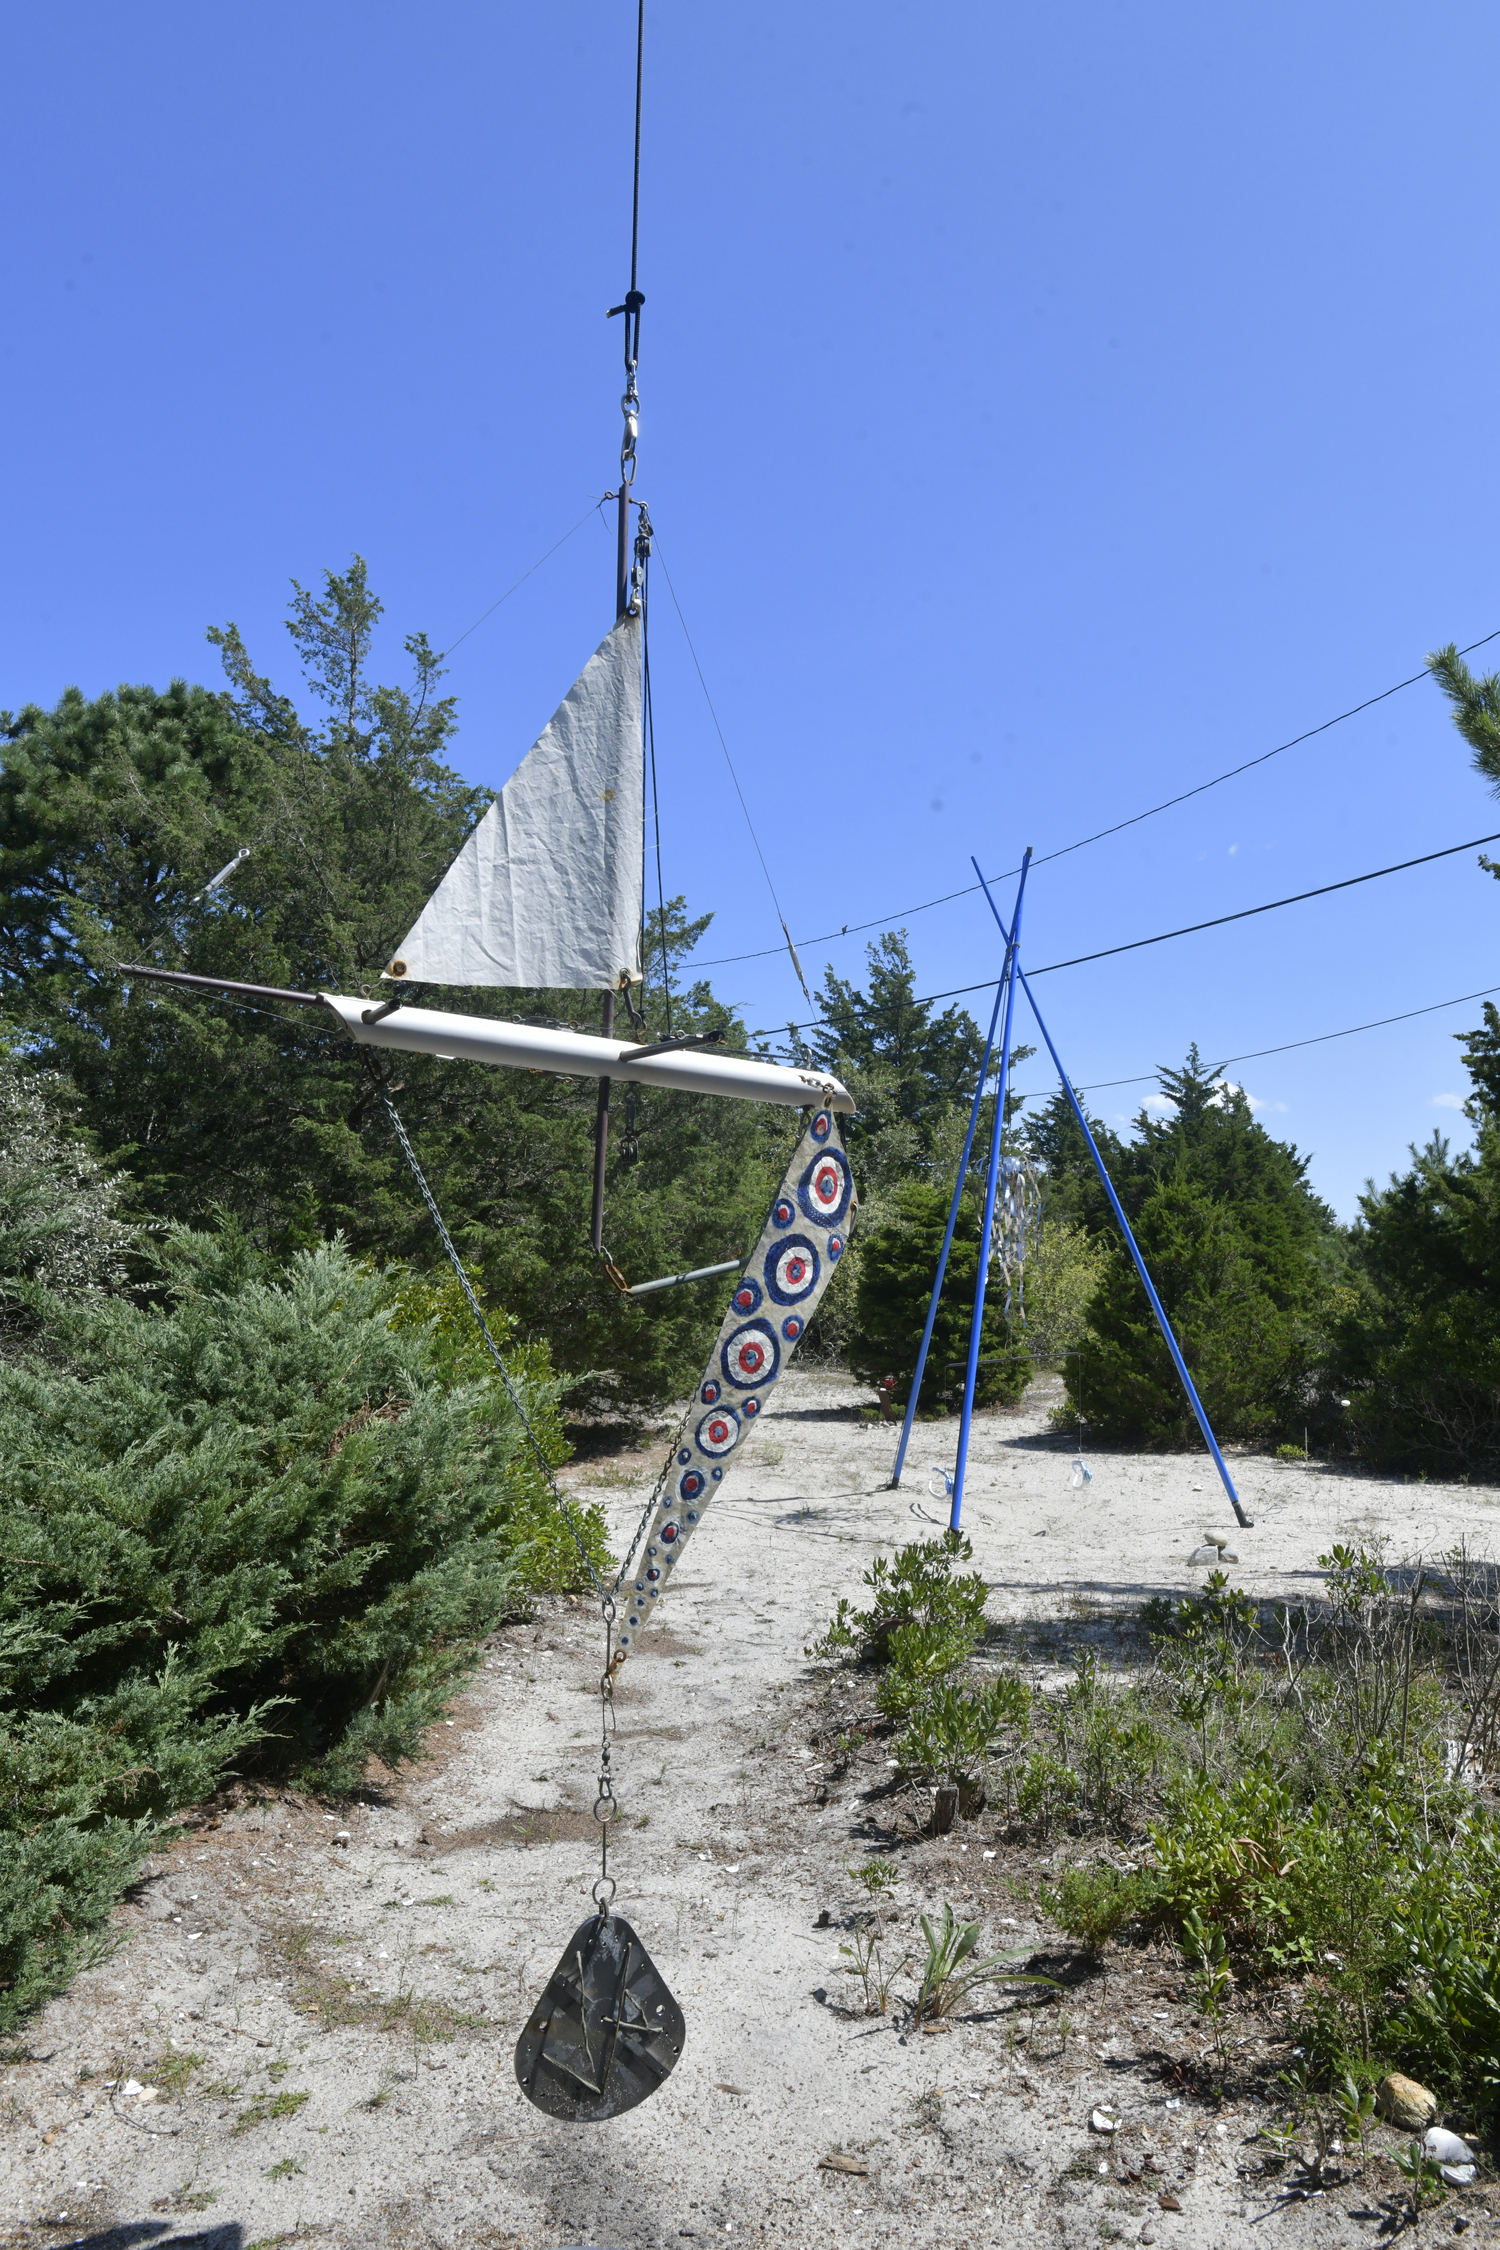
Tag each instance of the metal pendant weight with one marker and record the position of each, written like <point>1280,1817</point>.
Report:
<point>605,2033</point>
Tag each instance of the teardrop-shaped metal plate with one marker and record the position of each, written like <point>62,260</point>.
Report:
<point>605,2033</point>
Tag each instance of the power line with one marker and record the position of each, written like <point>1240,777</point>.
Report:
<point>1101,1085</point>
<point>1191,929</point>
<point>898,914</point>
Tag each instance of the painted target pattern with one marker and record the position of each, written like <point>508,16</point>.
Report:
<point>718,1433</point>
<point>751,1355</point>
<point>793,1270</point>
<point>787,1269</point>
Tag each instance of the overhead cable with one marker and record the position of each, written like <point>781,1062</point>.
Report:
<point>1191,929</point>
<point>899,914</point>
<point>1102,1085</point>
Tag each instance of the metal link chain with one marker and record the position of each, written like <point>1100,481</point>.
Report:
<point>494,1350</point>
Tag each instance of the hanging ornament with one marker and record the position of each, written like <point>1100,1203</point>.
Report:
<point>605,2033</point>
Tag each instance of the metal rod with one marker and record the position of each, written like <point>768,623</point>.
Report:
<point>219,984</point>
<point>1154,1301</point>
<point>699,1273</point>
<point>942,1264</point>
<point>671,1046</point>
<point>386,1008</point>
<point>991,1186</point>
<point>601,1139</point>
<point>622,554</point>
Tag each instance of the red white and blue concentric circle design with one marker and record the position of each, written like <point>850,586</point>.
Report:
<point>820,1125</point>
<point>718,1433</point>
<point>791,1328</point>
<point>825,1189</point>
<point>792,1270</point>
<point>710,1393</point>
<point>750,1407</point>
<point>688,1488</point>
<point>835,1248</point>
<point>782,1213</point>
<point>746,1298</point>
<point>751,1355</point>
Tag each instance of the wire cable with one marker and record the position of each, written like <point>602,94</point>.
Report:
<point>1101,1085</point>
<point>1191,929</point>
<point>897,914</point>
<point>739,792</point>
<point>591,510</point>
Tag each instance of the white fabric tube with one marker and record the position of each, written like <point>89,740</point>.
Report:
<point>583,1054</point>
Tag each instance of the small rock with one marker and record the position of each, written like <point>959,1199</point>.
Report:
<point>1147,2234</point>
<point>1446,2148</point>
<point>1457,2175</point>
<point>824,1919</point>
<point>836,2161</point>
<point>1103,2121</point>
<point>1169,2202</point>
<point>342,1839</point>
<point>1404,2103</point>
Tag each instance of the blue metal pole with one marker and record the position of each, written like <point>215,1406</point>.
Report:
<point>942,1264</point>
<point>992,1182</point>
<point>1130,1242</point>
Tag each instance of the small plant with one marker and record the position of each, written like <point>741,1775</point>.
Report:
<point>279,2105</point>
<point>1291,1453</point>
<point>173,2068</point>
<point>285,2169</point>
<point>1354,2107</point>
<point>878,1876</point>
<point>1207,1953</point>
<point>917,1587</point>
<point>866,1963</point>
<point>1095,1903</point>
<point>1424,2179</point>
<point>950,1972</point>
<point>955,1730</point>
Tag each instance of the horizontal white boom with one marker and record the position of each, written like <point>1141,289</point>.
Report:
<point>583,1054</point>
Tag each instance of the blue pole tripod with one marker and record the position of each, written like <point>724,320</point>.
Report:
<point>942,1264</point>
<point>1124,1224</point>
<point>991,1187</point>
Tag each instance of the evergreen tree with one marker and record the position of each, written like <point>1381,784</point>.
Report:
<point>907,1068</point>
<point>895,1282</point>
<point>1418,1349</point>
<point>114,815</point>
<point>1244,1258</point>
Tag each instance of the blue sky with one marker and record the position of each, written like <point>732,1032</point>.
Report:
<point>1043,410</point>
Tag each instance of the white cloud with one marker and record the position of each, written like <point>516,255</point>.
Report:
<point>1160,1102</point>
<point>1233,849</point>
<point>1447,1101</point>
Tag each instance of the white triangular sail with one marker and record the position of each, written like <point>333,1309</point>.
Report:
<point>547,889</point>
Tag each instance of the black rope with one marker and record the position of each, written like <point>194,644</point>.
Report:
<point>898,914</point>
<point>1191,929</point>
<point>635,198</point>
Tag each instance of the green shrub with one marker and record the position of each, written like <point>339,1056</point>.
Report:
<point>1095,1903</point>
<point>918,1587</point>
<point>262,1524</point>
<point>898,1260</point>
<point>955,1730</point>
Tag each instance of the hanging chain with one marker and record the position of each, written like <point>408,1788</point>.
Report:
<point>484,1329</point>
<point>605,1805</point>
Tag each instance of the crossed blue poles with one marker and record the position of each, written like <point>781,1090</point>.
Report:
<point>1011,975</point>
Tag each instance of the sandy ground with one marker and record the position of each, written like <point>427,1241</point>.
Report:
<point>324,2003</point>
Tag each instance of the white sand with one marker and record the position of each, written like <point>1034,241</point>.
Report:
<point>725,1860</point>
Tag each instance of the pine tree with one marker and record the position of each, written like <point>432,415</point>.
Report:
<point>114,815</point>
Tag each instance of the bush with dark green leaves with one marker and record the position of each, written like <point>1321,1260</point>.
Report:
<point>898,1260</point>
<point>258,1526</point>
